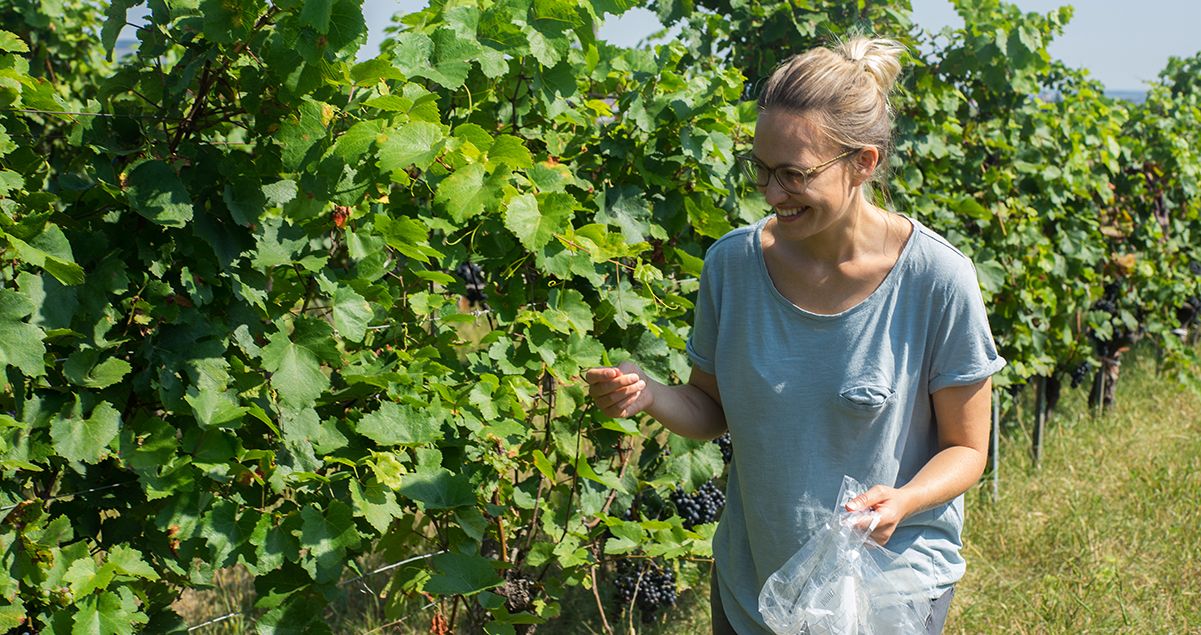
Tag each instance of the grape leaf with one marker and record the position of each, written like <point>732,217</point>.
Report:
<point>327,537</point>
<point>9,42</point>
<point>81,369</point>
<point>108,614</point>
<point>155,192</point>
<point>535,220</point>
<point>85,440</point>
<point>20,343</point>
<point>375,503</point>
<point>462,574</point>
<point>463,193</point>
<point>351,314</point>
<point>437,488</point>
<point>417,143</point>
<point>394,424</point>
<point>295,366</point>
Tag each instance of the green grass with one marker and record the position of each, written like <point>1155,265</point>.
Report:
<point>1103,537</point>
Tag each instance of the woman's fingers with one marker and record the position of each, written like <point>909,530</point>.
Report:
<point>616,391</point>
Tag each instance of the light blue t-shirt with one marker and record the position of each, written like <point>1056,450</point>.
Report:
<point>810,397</point>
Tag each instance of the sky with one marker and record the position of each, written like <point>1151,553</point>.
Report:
<point>1122,43</point>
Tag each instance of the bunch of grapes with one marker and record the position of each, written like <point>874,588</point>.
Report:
<point>473,277</point>
<point>727,450</point>
<point>647,585</point>
<point>700,507</point>
<point>1080,374</point>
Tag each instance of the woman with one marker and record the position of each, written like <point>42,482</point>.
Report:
<point>830,338</point>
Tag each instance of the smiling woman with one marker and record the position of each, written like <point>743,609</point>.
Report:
<point>845,340</point>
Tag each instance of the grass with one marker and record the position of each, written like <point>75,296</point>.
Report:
<point>1104,536</point>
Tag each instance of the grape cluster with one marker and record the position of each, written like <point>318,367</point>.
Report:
<point>1195,267</point>
<point>473,277</point>
<point>700,507</point>
<point>1080,374</point>
<point>1106,306</point>
<point>727,450</point>
<point>649,586</point>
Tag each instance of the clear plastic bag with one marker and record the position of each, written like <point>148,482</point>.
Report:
<point>836,583</point>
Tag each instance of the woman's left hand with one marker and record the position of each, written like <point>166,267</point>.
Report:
<point>890,503</point>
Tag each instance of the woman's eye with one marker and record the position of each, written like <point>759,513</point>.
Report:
<point>792,177</point>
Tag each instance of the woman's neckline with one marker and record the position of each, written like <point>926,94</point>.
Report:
<point>886,283</point>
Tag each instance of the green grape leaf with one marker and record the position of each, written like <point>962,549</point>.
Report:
<point>437,488</point>
<point>453,54</point>
<point>214,407</point>
<point>373,71</point>
<point>327,536</point>
<point>63,269</point>
<point>394,424</point>
<point>407,236</point>
<point>273,543</point>
<point>628,210</point>
<point>692,463</point>
<point>155,192</point>
<point>12,615</point>
<point>411,52</point>
<point>10,43</point>
<point>347,28</point>
<point>108,614</point>
<point>315,13</point>
<point>300,132</point>
<point>417,143</point>
<point>85,440</point>
<point>114,21</point>
<point>85,577</point>
<point>306,427</point>
<point>82,369</point>
<point>535,220</point>
<point>351,314</point>
<point>375,503</point>
<point>20,343</point>
<point>357,141</point>
<point>225,532</point>
<point>463,193</point>
<point>509,150</point>
<point>462,574</point>
<point>295,366</point>
<point>126,560</point>
<point>229,21</point>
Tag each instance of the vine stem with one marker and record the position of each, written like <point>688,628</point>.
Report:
<point>600,608</point>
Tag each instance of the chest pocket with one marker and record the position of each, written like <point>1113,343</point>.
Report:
<point>868,399</point>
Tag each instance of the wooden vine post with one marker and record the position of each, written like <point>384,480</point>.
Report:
<point>1040,418</point>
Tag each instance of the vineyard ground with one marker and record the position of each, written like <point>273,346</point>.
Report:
<point>1103,537</point>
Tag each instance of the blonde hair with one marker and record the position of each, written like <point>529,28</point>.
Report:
<point>846,87</point>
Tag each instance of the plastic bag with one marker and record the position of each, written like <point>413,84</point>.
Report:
<point>836,585</point>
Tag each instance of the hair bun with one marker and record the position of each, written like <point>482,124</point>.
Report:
<point>879,57</point>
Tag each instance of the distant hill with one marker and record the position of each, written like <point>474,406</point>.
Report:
<point>1134,96</point>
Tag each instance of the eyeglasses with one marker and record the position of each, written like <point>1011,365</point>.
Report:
<point>791,179</point>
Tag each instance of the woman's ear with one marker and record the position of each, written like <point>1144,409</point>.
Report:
<point>863,164</point>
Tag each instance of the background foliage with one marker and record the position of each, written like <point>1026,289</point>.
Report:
<point>241,317</point>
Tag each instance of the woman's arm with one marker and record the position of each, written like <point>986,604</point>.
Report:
<point>962,416</point>
<point>691,410</point>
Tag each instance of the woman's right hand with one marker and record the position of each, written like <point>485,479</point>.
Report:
<point>620,391</point>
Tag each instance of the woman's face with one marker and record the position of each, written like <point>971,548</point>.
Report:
<point>788,139</point>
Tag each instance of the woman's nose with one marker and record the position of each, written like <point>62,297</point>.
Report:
<point>773,193</point>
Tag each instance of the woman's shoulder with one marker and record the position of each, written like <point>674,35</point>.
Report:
<point>738,242</point>
<point>936,258</point>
